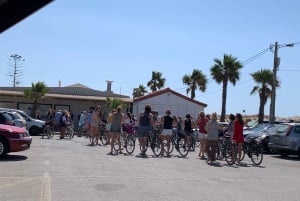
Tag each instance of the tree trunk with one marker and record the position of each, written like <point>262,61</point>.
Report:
<point>261,112</point>
<point>224,96</point>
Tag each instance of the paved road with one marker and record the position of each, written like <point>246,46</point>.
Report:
<point>70,170</point>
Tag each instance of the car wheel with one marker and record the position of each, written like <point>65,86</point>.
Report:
<point>3,147</point>
<point>34,130</point>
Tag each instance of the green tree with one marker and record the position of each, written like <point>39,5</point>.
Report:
<point>113,103</point>
<point>36,92</point>
<point>223,72</point>
<point>156,82</point>
<point>195,81</point>
<point>264,79</point>
<point>140,91</point>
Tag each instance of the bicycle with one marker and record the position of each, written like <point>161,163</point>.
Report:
<point>70,130</point>
<point>252,147</point>
<point>222,143</point>
<point>154,142</point>
<point>180,143</point>
<point>49,129</point>
<point>130,139</point>
<point>102,133</point>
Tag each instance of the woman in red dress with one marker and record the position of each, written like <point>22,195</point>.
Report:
<point>238,136</point>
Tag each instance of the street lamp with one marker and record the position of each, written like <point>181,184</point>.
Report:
<point>274,81</point>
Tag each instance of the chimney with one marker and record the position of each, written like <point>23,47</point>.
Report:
<point>59,83</point>
<point>108,89</point>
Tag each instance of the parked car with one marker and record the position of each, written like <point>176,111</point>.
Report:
<point>13,139</point>
<point>263,133</point>
<point>34,126</point>
<point>286,139</point>
<point>18,120</point>
<point>6,119</point>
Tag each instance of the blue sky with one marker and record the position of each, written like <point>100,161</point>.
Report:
<point>89,42</point>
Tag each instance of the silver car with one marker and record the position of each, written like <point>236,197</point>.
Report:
<point>285,139</point>
<point>18,120</point>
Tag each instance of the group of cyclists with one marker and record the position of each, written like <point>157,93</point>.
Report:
<point>118,125</point>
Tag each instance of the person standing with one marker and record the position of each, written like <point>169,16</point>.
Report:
<point>167,126</point>
<point>145,127</point>
<point>188,128</point>
<point>212,128</point>
<point>201,123</point>
<point>238,136</point>
<point>230,127</point>
<point>95,121</point>
<point>116,128</point>
<point>63,124</point>
<point>82,122</point>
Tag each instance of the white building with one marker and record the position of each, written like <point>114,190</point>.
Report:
<point>164,99</point>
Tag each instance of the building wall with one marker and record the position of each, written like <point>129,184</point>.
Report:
<point>178,105</point>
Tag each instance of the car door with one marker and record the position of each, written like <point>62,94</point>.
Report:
<point>292,139</point>
<point>279,135</point>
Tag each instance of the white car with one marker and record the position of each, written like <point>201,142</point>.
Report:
<point>34,126</point>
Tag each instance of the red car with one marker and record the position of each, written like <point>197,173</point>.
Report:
<point>13,139</point>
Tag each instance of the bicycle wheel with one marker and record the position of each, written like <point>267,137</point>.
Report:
<point>243,152</point>
<point>165,147</point>
<point>183,148</point>
<point>130,144</point>
<point>103,139</point>
<point>70,132</point>
<point>192,144</point>
<point>220,150</point>
<point>156,146</point>
<point>230,153</point>
<point>256,153</point>
<point>50,132</point>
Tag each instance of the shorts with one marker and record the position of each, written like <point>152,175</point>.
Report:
<point>167,132</point>
<point>144,131</point>
<point>108,126</point>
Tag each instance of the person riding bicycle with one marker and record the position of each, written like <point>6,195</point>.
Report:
<point>145,123</point>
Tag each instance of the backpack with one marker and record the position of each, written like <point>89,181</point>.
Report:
<point>61,121</point>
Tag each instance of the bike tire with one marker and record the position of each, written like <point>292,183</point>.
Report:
<point>130,144</point>
<point>256,153</point>
<point>103,139</point>
<point>183,148</point>
<point>230,154</point>
<point>243,152</point>
<point>165,147</point>
<point>193,144</point>
<point>70,133</point>
<point>157,146</point>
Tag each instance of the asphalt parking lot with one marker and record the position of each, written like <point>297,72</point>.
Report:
<point>65,170</point>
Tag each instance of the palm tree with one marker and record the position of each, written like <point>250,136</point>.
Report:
<point>36,92</point>
<point>156,82</point>
<point>194,81</point>
<point>140,91</point>
<point>264,77</point>
<point>224,71</point>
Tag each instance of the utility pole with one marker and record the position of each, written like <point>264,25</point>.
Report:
<point>274,84</point>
